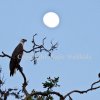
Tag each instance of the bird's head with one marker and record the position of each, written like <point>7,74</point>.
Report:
<point>23,40</point>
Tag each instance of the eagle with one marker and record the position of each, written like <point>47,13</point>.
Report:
<point>16,57</point>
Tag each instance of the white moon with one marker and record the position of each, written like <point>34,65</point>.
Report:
<point>51,19</point>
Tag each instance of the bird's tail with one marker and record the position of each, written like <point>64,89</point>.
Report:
<point>12,68</point>
<point>12,72</point>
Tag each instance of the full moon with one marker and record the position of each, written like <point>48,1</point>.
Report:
<point>51,19</point>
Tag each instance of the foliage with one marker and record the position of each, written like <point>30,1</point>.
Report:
<point>51,83</point>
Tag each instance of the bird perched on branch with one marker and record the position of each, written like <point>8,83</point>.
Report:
<point>16,57</point>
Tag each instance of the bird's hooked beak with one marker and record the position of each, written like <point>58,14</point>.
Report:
<point>24,40</point>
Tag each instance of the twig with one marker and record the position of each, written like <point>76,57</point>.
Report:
<point>95,83</point>
<point>9,92</point>
<point>85,91</point>
<point>28,51</point>
<point>5,55</point>
<point>39,48</point>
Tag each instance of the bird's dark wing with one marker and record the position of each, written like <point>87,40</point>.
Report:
<point>16,58</point>
<point>18,52</point>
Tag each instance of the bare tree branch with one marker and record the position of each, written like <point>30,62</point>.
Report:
<point>46,94</point>
<point>35,49</point>
<point>39,48</point>
<point>85,91</point>
<point>95,83</point>
<point>5,55</point>
<point>9,92</point>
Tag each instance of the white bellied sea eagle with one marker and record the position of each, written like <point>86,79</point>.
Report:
<point>16,57</point>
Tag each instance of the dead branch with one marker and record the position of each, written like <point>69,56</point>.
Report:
<point>5,55</point>
<point>40,48</point>
<point>35,49</point>
<point>8,92</point>
<point>46,94</point>
<point>85,91</point>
